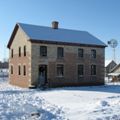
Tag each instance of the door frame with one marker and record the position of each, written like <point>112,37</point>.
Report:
<point>44,66</point>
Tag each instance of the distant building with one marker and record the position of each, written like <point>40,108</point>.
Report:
<point>3,65</point>
<point>59,57</point>
<point>4,69</point>
<point>109,65</point>
<point>115,73</point>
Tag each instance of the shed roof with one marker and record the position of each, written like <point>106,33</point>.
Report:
<point>38,33</point>
<point>108,62</point>
<point>115,68</point>
<point>114,74</point>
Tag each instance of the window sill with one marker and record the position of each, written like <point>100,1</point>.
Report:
<point>94,75</point>
<point>60,76</point>
<point>93,58</point>
<point>81,76</point>
<point>80,57</point>
<point>60,58</point>
<point>44,57</point>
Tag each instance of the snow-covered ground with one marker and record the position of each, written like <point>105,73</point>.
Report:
<point>68,103</point>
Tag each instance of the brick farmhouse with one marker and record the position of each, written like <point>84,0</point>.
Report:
<point>62,57</point>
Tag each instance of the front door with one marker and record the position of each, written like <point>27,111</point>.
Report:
<point>42,74</point>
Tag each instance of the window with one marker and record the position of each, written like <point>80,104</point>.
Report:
<point>19,51</point>
<point>24,70</point>
<point>19,70</point>
<point>93,53</point>
<point>11,69</point>
<point>43,51</point>
<point>80,52</point>
<point>80,70</point>
<point>11,53</point>
<point>60,70</point>
<point>93,69</point>
<point>24,50</point>
<point>60,52</point>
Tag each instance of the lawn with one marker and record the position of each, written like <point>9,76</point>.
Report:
<point>67,103</point>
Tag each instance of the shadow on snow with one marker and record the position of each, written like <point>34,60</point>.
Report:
<point>101,88</point>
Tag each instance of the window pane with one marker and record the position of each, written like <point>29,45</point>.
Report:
<point>60,52</point>
<point>60,70</point>
<point>93,53</point>
<point>80,52</point>
<point>11,53</point>
<point>11,69</point>
<point>19,51</point>
<point>24,50</point>
<point>80,70</point>
<point>93,69</point>
<point>24,70</point>
<point>19,70</point>
<point>43,51</point>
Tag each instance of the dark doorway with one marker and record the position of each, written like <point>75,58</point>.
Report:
<point>43,75</point>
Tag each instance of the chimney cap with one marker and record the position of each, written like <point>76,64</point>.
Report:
<point>55,24</point>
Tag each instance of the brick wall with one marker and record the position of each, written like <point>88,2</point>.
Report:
<point>20,40</point>
<point>70,63</point>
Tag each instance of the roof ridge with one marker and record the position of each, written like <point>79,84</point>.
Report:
<point>51,27</point>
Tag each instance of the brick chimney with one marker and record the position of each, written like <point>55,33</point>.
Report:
<point>55,24</point>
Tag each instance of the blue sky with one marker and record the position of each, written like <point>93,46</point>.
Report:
<point>99,17</point>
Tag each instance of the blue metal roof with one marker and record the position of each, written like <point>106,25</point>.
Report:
<point>35,32</point>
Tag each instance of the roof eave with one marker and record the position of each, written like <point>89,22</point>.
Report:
<point>66,43</point>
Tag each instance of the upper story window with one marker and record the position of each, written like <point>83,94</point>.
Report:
<point>80,70</point>
<point>60,70</point>
<point>80,52</point>
<point>93,69</point>
<point>93,53</point>
<point>24,50</point>
<point>24,70</point>
<point>19,51</point>
<point>11,69</point>
<point>11,53</point>
<point>43,51</point>
<point>19,70</point>
<point>60,52</point>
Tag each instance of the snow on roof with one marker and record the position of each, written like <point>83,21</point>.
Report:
<point>107,62</point>
<point>35,32</point>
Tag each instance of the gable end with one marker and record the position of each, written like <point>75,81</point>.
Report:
<point>12,36</point>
